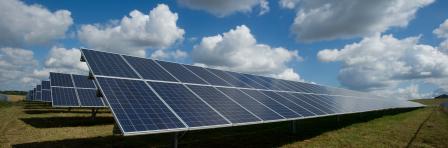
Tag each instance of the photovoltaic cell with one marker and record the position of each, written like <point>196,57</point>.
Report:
<point>136,107</point>
<point>246,80</point>
<point>302,103</point>
<point>277,107</point>
<point>64,96</point>
<point>189,107</point>
<point>181,73</point>
<point>291,105</point>
<point>88,97</point>
<point>149,69</point>
<point>207,76</point>
<point>60,79</point>
<point>228,78</point>
<point>108,64</point>
<point>83,81</point>
<point>46,95</point>
<point>46,85</point>
<point>270,83</point>
<point>229,109</point>
<point>304,97</point>
<point>247,102</point>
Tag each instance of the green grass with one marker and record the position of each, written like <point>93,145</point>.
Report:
<point>37,125</point>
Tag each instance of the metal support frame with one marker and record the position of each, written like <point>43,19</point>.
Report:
<point>294,126</point>
<point>94,111</point>
<point>177,137</point>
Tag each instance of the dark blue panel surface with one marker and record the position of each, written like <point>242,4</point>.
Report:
<point>88,97</point>
<point>277,107</point>
<point>181,73</point>
<point>228,78</point>
<point>247,102</point>
<point>325,102</point>
<point>39,87</point>
<point>302,103</point>
<point>46,95</point>
<point>290,104</point>
<point>39,96</point>
<point>136,107</point>
<point>149,69</point>
<point>306,98</point>
<point>83,81</point>
<point>64,97</point>
<point>108,64</point>
<point>246,80</point>
<point>46,85</point>
<point>60,79</point>
<point>207,76</point>
<point>190,108</point>
<point>229,109</point>
<point>296,86</point>
<point>269,83</point>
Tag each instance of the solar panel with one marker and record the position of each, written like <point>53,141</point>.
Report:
<point>149,69</point>
<point>83,81</point>
<point>207,76</point>
<point>136,107</point>
<point>228,108</point>
<point>181,73</point>
<point>39,93</point>
<point>247,102</point>
<point>228,78</point>
<point>60,79</point>
<point>46,85</point>
<point>108,64</point>
<point>84,91</point>
<point>65,97</point>
<point>46,95</point>
<point>88,98</point>
<point>153,96</point>
<point>190,108</point>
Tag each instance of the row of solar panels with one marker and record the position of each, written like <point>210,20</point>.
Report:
<point>67,90</point>
<point>152,96</point>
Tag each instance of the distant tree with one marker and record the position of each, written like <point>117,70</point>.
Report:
<point>441,96</point>
<point>13,92</point>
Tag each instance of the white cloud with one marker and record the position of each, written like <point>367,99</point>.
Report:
<point>382,62</point>
<point>409,92</point>
<point>22,24</point>
<point>223,8</point>
<point>290,4</point>
<point>288,74</point>
<point>169,55</point>
<point>59,60</point>
<point>15,64</point>
<point>326,20</point>
<point>238,50</point>
<point>442,32</point>
<point>134,34</point>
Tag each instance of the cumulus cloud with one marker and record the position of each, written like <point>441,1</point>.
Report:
<point>134,34</point>
<point>325,20</point>
<point>238,50</point>
<point>409,92</point>
<point>22,24</point>
<point>442,32</point>
<point>15,64</point>
<point>59,60</point>
<point>223,8</point>
<point>383,61</point>
<point>169,55</point>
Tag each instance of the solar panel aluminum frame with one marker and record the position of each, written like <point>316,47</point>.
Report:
<point>206,127</point>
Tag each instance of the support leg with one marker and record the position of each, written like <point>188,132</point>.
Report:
<point>294,127</point>
<point>69,109</point>
<point>94,111</point>
<point>176,140</point>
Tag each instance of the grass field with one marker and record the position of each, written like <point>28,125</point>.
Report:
<point>36,125</point>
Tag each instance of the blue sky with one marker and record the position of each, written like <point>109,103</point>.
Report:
<point>274,28</point>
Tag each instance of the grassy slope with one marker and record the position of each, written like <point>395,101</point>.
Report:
<point>34,126</point>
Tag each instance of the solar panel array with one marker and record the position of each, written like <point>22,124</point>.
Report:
<point>38,95</point>
<point>69,90</point>
<point>151,96</point>
<point>45,91</point>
